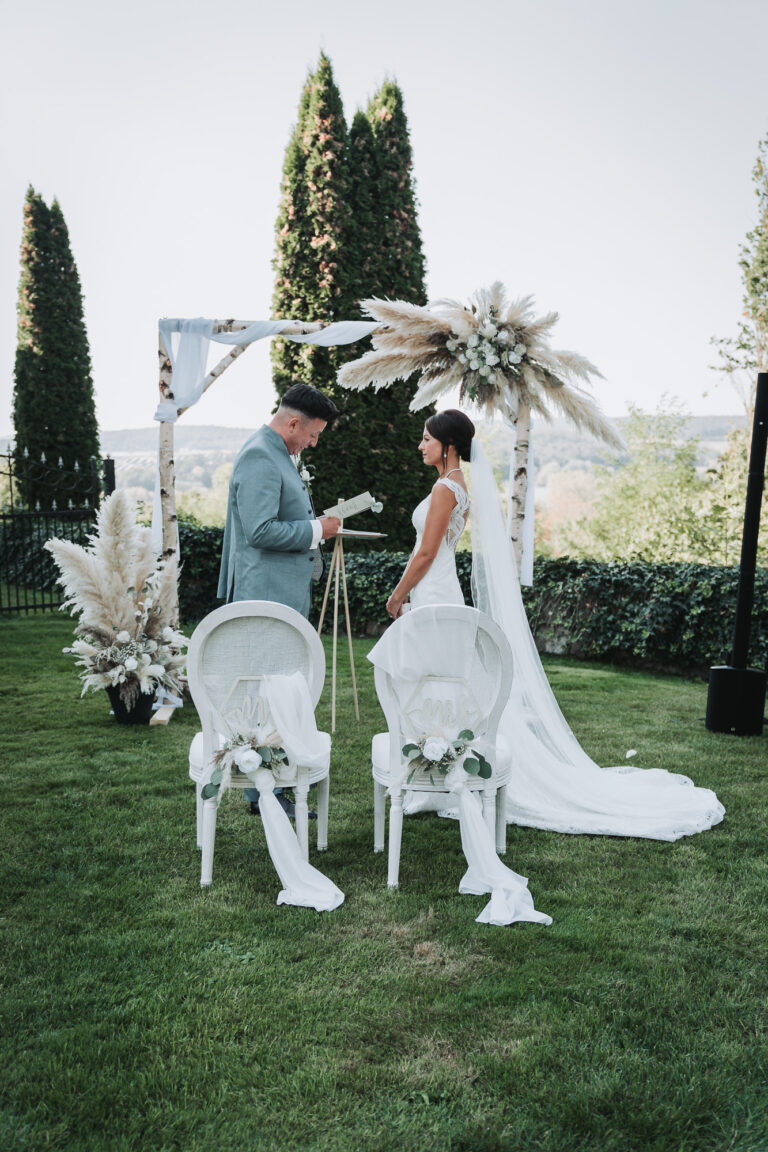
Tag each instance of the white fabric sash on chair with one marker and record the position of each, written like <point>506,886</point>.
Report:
<point>510,899</point>
<point>293,717</point>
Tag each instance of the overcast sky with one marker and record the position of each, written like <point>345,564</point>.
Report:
<point>597,154</point>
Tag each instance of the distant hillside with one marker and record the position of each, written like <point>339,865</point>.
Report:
<point>557,442</point>
<point>204,454</point>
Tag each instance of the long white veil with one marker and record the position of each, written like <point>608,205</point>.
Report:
<point>555,784</point>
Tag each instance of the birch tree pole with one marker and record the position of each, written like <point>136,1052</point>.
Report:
<point>518,487</point>
<point>166,466</point>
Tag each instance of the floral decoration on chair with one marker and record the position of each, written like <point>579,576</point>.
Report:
<point>248,753</point>
<point>434,754</point>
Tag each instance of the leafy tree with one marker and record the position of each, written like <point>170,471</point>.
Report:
<point>746,354</point>
<point>648,506</point>
<point>53,403</point>
<point>741,358</point>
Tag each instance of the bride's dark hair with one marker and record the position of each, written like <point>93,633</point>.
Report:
<point>452,427</point>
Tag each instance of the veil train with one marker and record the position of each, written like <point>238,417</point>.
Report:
<point>555,785</point>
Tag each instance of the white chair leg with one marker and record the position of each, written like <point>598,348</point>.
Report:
<point>323,790</point>
<point>199,812</point>
<point>379,803</point>
<point>300,792</point>
<point>395,838</point>
<point>210,811</point>
<point>501,820</point>
<point>489,809</point>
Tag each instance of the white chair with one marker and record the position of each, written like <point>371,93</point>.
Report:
<point>439,670</point>
<point>230,652</point>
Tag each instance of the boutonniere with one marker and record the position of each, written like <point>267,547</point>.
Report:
<point>306,473</point>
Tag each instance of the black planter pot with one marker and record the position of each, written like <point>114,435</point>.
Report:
<point>139,714</point>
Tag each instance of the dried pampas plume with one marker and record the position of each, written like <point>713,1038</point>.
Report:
<point>495,350</point>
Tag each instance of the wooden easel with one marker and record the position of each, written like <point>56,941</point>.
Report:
<point>337,569</point>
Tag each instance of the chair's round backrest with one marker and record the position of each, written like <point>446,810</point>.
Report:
<point>443,669</point>
<point>238,644</point>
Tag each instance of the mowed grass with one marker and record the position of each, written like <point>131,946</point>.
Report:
<point>139,1012</point>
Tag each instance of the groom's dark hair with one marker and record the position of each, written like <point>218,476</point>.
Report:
<point>310,402</point>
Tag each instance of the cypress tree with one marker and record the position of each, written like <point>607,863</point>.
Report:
<point>311,281</point>
<point>53,403</point>
<point>389,263</point>
<point>340,192</point>
<point>403,270</point>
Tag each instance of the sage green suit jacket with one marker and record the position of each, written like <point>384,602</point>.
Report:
<point>267,537</point>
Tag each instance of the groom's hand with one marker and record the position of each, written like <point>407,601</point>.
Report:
<point>330,525</point>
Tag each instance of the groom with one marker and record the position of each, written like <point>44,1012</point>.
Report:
<point>272,535</point>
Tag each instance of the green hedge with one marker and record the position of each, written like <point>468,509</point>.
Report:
<point>671,616</point>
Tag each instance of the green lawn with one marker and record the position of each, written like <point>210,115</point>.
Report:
<point>140,1012</point>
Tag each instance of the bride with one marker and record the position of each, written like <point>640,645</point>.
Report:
<point>554,785</point>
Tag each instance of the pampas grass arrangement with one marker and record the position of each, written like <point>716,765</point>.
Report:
<point>494,350</point>
<point>126,602</point>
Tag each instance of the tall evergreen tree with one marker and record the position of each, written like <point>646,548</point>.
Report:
<point>311,277</point>
<point>53,403</point>
<point>389,263</point>
<point>335,246</point>
<point>403,269</point>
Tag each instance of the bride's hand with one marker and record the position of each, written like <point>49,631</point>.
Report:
<point>394,606</point>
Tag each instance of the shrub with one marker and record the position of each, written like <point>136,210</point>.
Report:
<point>673,616</point>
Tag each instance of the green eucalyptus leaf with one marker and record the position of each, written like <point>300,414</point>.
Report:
<point>209,791</point>
<point>472,766</point>
<point>216,776</point>
<point>466,734</point>
<point>410,748</point>
<point>486,771</point>
<point>266,753</point>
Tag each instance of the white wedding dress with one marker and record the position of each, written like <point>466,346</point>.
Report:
<point>554,785</point>
<point>441,585</point>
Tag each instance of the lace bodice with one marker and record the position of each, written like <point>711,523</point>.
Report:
<point>458,518</point>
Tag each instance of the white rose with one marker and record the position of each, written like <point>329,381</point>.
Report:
<point>488,330</point>
<point>461,358</point>
<point>502,337</point>
<point>435,748</point>
<point>377,506</point>
<point>451,345</point>
<point>485,370</point>
<point>123,637</point>
<point>131,664</point>
<point>305,475</point>
<point>474,340</point>
<point>474,365</point>
<point>520,350</point>
<point>247,759</point>
<point>491,358</point>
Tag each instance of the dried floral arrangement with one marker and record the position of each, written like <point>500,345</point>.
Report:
<point>494,350</point>
<point>126,600</point>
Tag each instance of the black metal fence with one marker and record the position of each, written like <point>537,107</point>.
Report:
<point>67,510</point>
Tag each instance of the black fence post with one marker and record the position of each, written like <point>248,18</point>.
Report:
<point>108,474</point>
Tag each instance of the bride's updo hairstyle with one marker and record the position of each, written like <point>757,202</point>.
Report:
<point>452,427</point>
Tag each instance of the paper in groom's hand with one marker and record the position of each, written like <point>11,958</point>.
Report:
<point>346,508</point>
